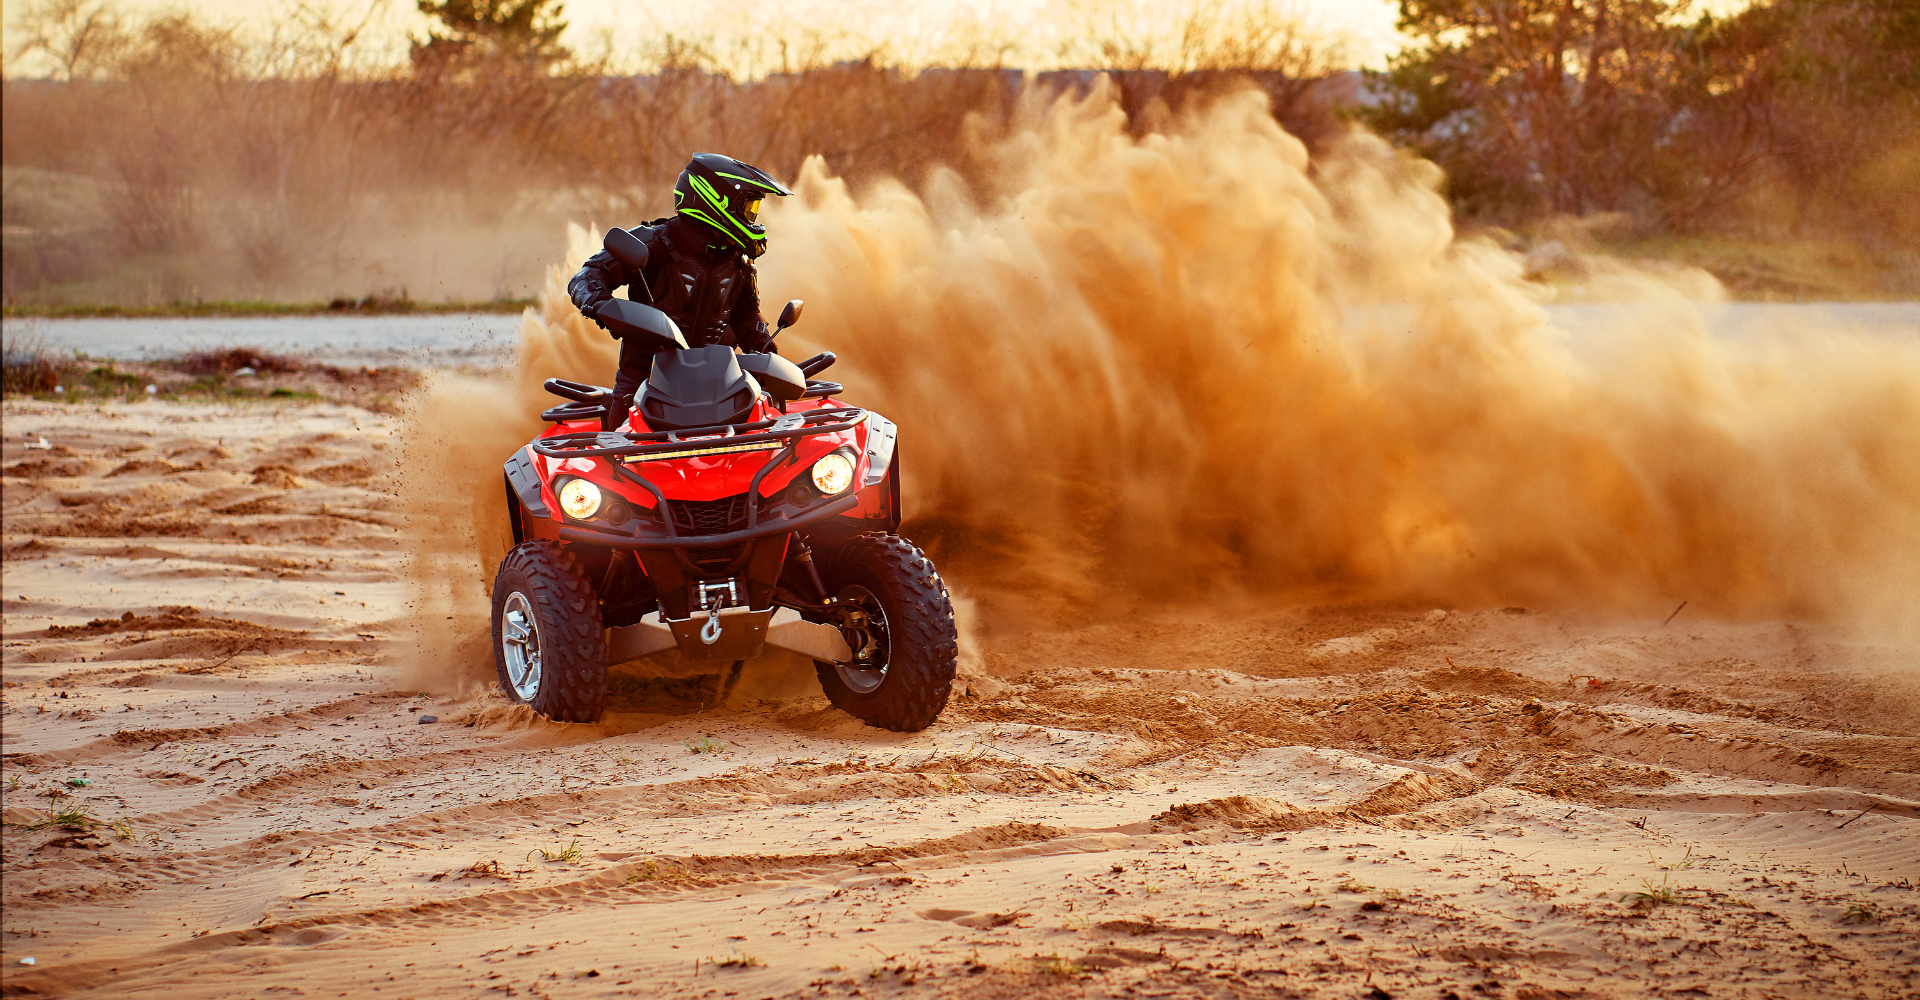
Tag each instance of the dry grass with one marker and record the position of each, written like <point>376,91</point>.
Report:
<point>174,160</point>
<point>28,368</point>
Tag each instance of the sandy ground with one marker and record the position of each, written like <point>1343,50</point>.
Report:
<point>201,608</point>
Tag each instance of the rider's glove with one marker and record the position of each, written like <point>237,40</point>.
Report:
<point>760,342</point>
<point>592,312</point>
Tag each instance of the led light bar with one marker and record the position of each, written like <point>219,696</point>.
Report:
<point>719,450</point>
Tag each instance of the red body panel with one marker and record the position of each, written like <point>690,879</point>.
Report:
<point>705,477</point>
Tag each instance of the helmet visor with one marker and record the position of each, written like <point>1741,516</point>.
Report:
<point>751,210</point>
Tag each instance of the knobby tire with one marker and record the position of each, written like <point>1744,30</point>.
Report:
<point>924,645</point>
<point>573,682</point>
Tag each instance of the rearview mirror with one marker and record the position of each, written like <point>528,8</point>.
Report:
<point>630,320</point>
<point>626,248</point>
<point>790,315</point>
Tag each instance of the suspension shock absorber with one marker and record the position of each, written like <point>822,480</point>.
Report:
<point>805,555</point>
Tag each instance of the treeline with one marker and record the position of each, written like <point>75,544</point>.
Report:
<point>172,159</point>
<point>1789,118</point>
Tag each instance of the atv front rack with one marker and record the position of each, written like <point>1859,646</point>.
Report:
<point>624,450</point>
<point>592,402</point>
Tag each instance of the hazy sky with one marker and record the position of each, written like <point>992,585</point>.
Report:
<point>915,31</point>
<point>1367,25</point>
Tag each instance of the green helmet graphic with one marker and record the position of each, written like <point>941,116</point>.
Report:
<point>724,195</point>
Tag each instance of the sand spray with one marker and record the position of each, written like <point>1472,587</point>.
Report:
<point>1192,363</point>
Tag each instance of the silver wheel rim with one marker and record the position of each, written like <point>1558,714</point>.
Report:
<point>866,680</point>
<point>520,645</point>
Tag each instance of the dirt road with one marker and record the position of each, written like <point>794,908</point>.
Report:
<point>218,784</point>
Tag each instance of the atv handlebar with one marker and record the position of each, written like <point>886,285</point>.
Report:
<point>576,391</point>
<point>818,363</point>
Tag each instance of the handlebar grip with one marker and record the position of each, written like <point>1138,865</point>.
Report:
<point>818,363</point>
<point>576,391</point>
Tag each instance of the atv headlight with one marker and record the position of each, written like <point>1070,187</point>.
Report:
<point>579,499</point>
<point>833,474</point>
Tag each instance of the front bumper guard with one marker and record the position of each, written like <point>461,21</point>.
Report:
<point>738,634</point>
<point>653,540</point>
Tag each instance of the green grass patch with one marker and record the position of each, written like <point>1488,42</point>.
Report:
<point>736,960</point>
<point>1652,895</point>
<point>1861,913</point>
<point>571,853</point>
<point>71,817</point>
<point>371,305</point>
<point>1057,965</point>
<point>705,744</point>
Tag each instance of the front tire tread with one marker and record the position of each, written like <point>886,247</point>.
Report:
<point>573,684</point>
<point>923,643</point>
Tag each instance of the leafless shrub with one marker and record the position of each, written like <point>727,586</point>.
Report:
<point>1173,54</point>
<point>27,367</point>
<point>228,360</point>
<point>175,159</point>
<point>78,37</point>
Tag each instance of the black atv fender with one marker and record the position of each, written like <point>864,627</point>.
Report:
<point>883,469</point>
<point>523,493</point>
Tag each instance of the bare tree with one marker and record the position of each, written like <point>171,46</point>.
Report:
<point>79,37</point>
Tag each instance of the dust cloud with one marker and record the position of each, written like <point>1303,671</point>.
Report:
<point>460,428</point>
<point>1193,364</point>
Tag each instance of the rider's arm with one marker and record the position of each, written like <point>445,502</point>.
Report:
<point>749,330</point>
<point>602,274</point>
<point>595,281</point>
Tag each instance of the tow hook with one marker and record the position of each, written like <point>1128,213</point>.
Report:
<point>714,596</point>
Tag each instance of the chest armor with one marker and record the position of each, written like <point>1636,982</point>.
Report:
<point>699,290</point>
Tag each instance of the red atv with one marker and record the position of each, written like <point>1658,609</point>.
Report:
<point>737,505</point>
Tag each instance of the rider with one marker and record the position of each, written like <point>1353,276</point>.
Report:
<point>699,266</point>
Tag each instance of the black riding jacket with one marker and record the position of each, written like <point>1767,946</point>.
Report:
<point>709,292</point>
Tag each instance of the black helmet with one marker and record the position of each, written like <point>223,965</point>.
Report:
<point>724,195</point>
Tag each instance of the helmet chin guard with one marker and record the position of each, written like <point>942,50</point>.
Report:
<point>723,195</point>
